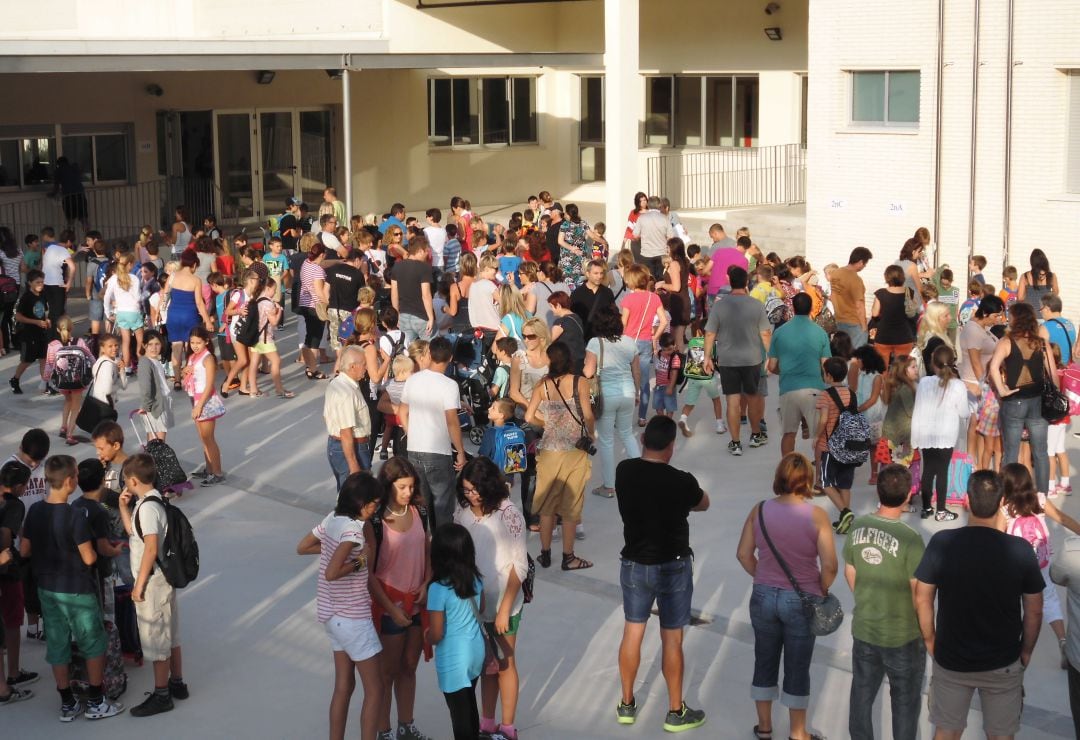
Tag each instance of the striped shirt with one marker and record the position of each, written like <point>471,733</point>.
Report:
<point>309,273</point>
<point>11,265</point>
<point>346,597</point>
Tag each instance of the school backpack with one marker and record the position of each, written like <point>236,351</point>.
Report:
<point>114,682</point>
<point>776,310</point>
<point>849,441</point>
<point>1033,529</point>
<point>178,556</point>
<point>248,329</point>
<point>345,331</point>
<point>960,468</point>
<point>72,368</point>
<point>274,224</point>
<point>396,349</point>
<point>510,453</point>
<point>694,366</point>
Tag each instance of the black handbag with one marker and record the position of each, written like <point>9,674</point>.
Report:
<point>93,410</point>
<point>1055,404</point>
<point>585,441</point>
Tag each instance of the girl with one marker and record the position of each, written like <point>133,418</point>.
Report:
<point>1055,442</point>
<point>1025,513</point>
<point>206,405</point>
<point>898,393</point>
<point>402,568</point>
<point>235,311</point>
<point>269,313</point>
<point>512,310</point>
<point>123,307</point>
<point>455,602</point>
<point>865,378</point>
<point>933,333</point>
<point>65,331</point>
<point>485,509</point>
<point>940,407</point>
<point>106,374</point>
<point>344,603</point>
<point>155,404</point>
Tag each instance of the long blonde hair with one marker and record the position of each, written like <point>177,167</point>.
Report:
<point>935,323</point>
<point>538,327</point>
<point>123,270</point>
<point>510,301</point>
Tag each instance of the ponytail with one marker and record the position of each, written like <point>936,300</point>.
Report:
<point>943,363</point>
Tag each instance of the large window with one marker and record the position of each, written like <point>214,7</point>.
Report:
<point>701,111</point>
<point>102,154</point>
<point>885,98</point>
<point>465,111</point>
<point>1072,156</point>
<point>591,130</point>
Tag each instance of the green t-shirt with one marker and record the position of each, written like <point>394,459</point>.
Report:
<point>800,345</point>
<point>884,553</point>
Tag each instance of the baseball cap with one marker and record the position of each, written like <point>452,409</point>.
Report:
<point>293,201</point>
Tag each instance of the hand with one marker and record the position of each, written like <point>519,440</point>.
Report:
<point>502,622</point>
<point>196,411</point>
<point>709,369</point>
<point>126,497</point>
<point>421,595</point>
<point>354,467</point>
<point>429,326</point>
<point>138,593</point>
<point>401,619</point>
<point>930,647</point>
<point>1025,657</point>
<point>1007,392</point>
<point>459,463</point>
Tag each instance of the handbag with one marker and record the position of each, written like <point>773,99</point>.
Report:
<point>94,410</point>
<point>596,397</point>
<point>911,306</point>
<point>585,442</point>
<point>1055,404</point>
<point>494,659</point>
<point>321,310</point>
<point>825,615</point>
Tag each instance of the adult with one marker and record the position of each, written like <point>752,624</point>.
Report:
<point>933,333</point>
<point>549,280</point>
<point>529,274</point>
<point>314,297</point>
<point>551,236</point>
<point>720,239</point>
<point>483,296</point>
<point>912,255</point>
<point>588,298</point>
<point>654,229</point>
<point>328,224</point>
<point>724,257</point>
<point>799,536</point>
<point>1061,330</point>
<point>428,414</point>
<point>568,329</point>
<point>394,242</point>
<point>989,611</point>
<point>459,295</point>
<point>657,566</point>
<point>345,279</point>
<point>645,321</point>
<point>339,209</point>
<point>411,291</point>
<point>561,406</point>
<point>183,294</point>
<point>893,335</point>
<point>975,348</point>
<point>180,235</point>
<point>738,328</point>
<point>675,283</point>
<point>849,296</point>
<point>396,219</point>
<point>348,423</point>
<point>617,283</point>
<point>574,253</point>
<point>1018,368</point>
<point>527,369</point>
<point>1065,571</point>
<point>289,225</point>
<point>630,241</point>
<point>59,268</point>
<point>1038,281</point>
<point>795,354</point>
<point>68,184</point>
<point>881,554</point>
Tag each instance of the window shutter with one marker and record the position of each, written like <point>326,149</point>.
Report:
<point>1072,136</point>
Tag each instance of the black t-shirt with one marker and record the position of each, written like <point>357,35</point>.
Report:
<point>97,519</point>
<point>552,236</point>
<point>655,500</point>
<point>12,512</point>
<point>287,222</point>
<point>296,261</point>
<point>33,307</point>
<point>55,533</point>
<point>573,337</point>
<point>409,275</point>
<point>585,304</point>
<point>981,575</point>
<point>345,282</point>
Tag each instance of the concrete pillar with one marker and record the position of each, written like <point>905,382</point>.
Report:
<point>623,93</point>
<point>346,130</point>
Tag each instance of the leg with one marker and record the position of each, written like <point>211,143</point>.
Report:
<point>630,658</point>
<point>624,428</point>
<point>672,665</point>
<point>508,680</point>
<point>867,673</point>
<point>1012,427</point>
<point>210,446</point>
<point>1037,428</point>
<point>372,683</point>
<point>734,404</point>
<point>405,685</point>
<point>645,354</point>
<point>605,442</point>
<point>275,371</point>
<point>463,715</point>
<point>798,651</point>
<point>906,667</point>
<point>768,644</point>
<point>547,528</point>
<point>1074,697</point>
<point>755,406</point>
<point>390,668</point>
<point>344,685</point>
<point>125,352</point>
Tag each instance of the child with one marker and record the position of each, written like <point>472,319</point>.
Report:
<point>154,597</point>
<point>269,315</point>
<point>505,348</point>
<point>1010,293</point>
<point>67,368</point>
<point>836,477</point>
<point>32,318</point>
<point>949,294</point>
<point>206,405</point>
<point>500,415</point>
<point>509,262</point>
<point>976,265</point>
<point>865,375</point>
<point>236,310</point>
<point>1055,444</point>
<point>221,286</point>
<point>89,505</point>
<point>59,546</point>
<point>941,406</point>
<point>277,266</point>
<point>668,363</point>
<point>365,298</point>
<point>419,353</point>
<point>401,368</point>
<point>13,479</point>
<point>106,372</point>
<point>765,288</point>
<point>599,242</point>
<point>344,602</point>
<point>455,602</point>
<point>108,438</point>
<point>155,400</point>
<point>971,305</point>
<point>694,386</point>
<point>898,393</point>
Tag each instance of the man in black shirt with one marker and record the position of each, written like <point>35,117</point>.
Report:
<point>655,500</point>
<point>411,291</point>
<point>345,279</point>
<point>289,225</point>
<point>552,233</point>
<point>983,639</point>
<point>588,298</point>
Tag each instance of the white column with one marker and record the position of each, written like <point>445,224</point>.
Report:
<point>346,135</point>
<point>622,109</point>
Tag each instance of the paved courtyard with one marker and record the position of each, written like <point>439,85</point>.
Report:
<point>259,666</point>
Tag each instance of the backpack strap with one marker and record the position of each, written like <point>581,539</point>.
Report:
<point>1065,331</point>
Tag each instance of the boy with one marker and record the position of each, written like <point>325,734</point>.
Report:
<point>91,507</point>
<point>451,253</point>
<point>765,287</point>
<point>33,449</point>
<point>155,599</point>
<point>949,294</point>
<point>600,244</point>
<point>509,262</point>
<point>976,265</point>
<point>108,438</point>
<point>32,318</point>
<point>1010,293</point>
<point>60,548</point>
<point>13,479</point>
<point>277,265</point>
<point>210,227</point>
<point>836,477</point>
<point>436,236</point>
<point>668,363</point>
<point>221,287</point>
<point>505,349</point>
<point>971,305</point>
<point>500,415</point>
<point>694,385</point>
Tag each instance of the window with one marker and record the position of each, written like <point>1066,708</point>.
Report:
<point>885,98</point>
<point>701,111</point>
<point>1072,157</point>
<point>27,160</point>
<point>591,130</point>
<point>465,111</point>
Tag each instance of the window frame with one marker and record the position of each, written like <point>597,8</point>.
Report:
<point>589,143</point>
<point>478,81</point>
<point>57,133</point>
<point>703,110</point>
<point>885,123</point>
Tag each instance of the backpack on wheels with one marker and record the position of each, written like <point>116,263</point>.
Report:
<point>849,441</point>
<point>72,369</point>
<point>171,477</point>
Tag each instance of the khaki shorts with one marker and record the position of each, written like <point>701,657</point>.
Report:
<point>1001,693</point>
<point>796,406</point>
<point>561,477</point>
<point>159,622</point>
<point>336,317</point>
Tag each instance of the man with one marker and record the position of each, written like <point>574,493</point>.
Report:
<point>307,221</point>
<point>436,236</point>
<point>428,413</point>
<point>345,279</point>
<point>68,182</point>
<point>723,258</point>
<point>990,593</point>
<point>289,225</point>
<point>340,213</point>
<point>1062,331</point>
<point>720,239</point>
<point>348,423</point>
<point>551,236</point>
<point>397,218</point>
<point>1065,571</point>
<point>795,354</point>
<point>411,292</point>
<point>59,269</point>
<point>654,229</point>
<point>591,296</point>
<point>739,328</point>
<point>849,296</point>
<point>328,223</point>
<point>880,556</point>
<point>655,500</point>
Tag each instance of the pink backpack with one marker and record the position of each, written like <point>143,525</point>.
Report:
<point>1033,529</point>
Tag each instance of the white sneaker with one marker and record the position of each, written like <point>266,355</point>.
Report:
<point>684,427</point>
<point>721,427</point>
<point>104,710</point>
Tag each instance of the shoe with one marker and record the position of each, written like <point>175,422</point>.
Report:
<point>1066,490</point>
<point>873,480</point>
<point>685,428</point>
<point>927,513</point>
<point>384,735</point>
<point>1053,493</point>
<point>604,491</point>
<point>212,480</point>
<point>104,709</point>
<point>946,516</point>
<point>16,695</point>
<point>178,689</point>
<point>836,526</point>
<point>17,389</point>
<point>626,714</point>
<point>25,678</point>
<point>38,635</point>
<point>200,473</point>
<point>71,441</point>
<point>641,422</point>
<point>743,420</point>
<point>579,532</point>
<point>685,719</point>
<point>155,704</point>
<point>409,732</point>
<point>764,427</point>
<point>759,440</point>
<point>721,427</point>
<point>734,447</point>
<point>49,391</point>
<point>844,524</point>
<point>68,712</point>
<point>544,558</point>
<point>383,454</point>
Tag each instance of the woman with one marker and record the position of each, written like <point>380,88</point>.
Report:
<point>314,291</point>
<point>206,405</point>
<point>675,281</point>
<point>513,312</point>
<point>644,321</point>
<point>10,261</point>
<point>183,296</point>
<point>567,328</point>
<point>526,370</point>
<point>976,346</point>
<point>933,333</point>
<point>460,216</point>
<point>155,403</point>
<point>804,539</point>
<point>498,532</point>
<point>180,235</point>
<point>941,411</point>
<point>561,406</point>
<point>617,276</point>
<point>535,247</point>
<point>529,274</point>
<point>549,281</point>
<point>65,337</point>
<point>207,253</point>
<point>459,294</point>
<point>395,244</point>
<point>893,335</point>
<point>641,204</point>
<point>1037,282</point>
<point>1017,370</point>
<point>574,233</point>
<point>402,569</point>
<point>910,255</point>
<point>124,307</point>
<point>612,356</point>
<point>376,360</point>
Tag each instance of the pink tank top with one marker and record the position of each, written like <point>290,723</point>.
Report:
<point>792,531</point>
<point>401,555</point>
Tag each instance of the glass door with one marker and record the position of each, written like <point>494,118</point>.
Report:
<point>277,160</point>
<point>315,162</point>
<point>234,165</point>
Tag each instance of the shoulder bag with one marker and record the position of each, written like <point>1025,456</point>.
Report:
<point>596,396</point>
<point>585,442</point>
<point>93,410</point>
<point>911,306</point>
<point>1055,404</point>
<point>825,615</point>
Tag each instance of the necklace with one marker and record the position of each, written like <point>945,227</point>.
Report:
<point>397,514</point>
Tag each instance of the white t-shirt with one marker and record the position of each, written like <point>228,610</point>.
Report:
<point>52,264</point>
<point>330,241</point>
<point>482,310</point>
<point>151,519</point>
<point>378,259</point>
<point>436,236</point>
<point>429,395</point>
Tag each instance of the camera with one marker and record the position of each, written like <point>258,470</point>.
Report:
<point>585,444</point>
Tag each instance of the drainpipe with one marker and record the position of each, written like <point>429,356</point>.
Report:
<point>1006,217</point>
<point>974,131</point>
<point>939,93</point>
<point>346,133</point>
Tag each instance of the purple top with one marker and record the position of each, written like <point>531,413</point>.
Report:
<point>792,531</point>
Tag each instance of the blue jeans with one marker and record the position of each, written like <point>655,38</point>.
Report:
<point>906,667</point>
<point>781,627</point>
<point>857,333</point>
<point>1017,413</point>
<point>618,418</point>
<point>669,585</point>
<point>436,481</point>
<point>336,455</point>
<point>414,327</point>
<point>644,352</point>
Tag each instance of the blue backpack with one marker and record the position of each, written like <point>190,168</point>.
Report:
<point>510,449</point>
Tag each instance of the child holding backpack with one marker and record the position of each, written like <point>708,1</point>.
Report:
<point>836,476</point>
<point>940,407</point>
<point>697,380</point>
<point>67,368</point>
<point>668,364</point>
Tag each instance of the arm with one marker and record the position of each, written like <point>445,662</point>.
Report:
<point>70,273</point>
<point>376,371</point>
<point>89,557</point>
<point>826,549</point>
<point>394,298</point>
<point>200,306</point>
<point>766,338</point>
<point>875,310</point>
<point>348,449</point>
<point>773,365</point>
<point>745,551</point>
<point>454,428</point>
<point>150,553</point>
<point>321,289</point>
<point>1021,289</point>
<point>530,302</point>
<point>703,504</point>
<point>436,626</point>
<point>556,332</point>
<point>341,564</point>
<point>309,545</point>
<point>455,297</point>
<point>710,340</point>
<point>849,576</point>
<point>515,383</point>
<point>145,375</point>
<point>531,414</point>
<point>635,371</point>
<point>1033,611</point>
<point>107,548</point>
<point>589,370</point>
<point>660,327</point>
<point>1062,518</point>
<point>586,407</point>
<point>403,416</point>
<point>924,609</point>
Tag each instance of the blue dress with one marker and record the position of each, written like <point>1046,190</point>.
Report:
<point>459,656</point>
<point>183,315</point>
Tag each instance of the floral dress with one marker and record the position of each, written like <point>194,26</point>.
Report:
<point>573,265</point>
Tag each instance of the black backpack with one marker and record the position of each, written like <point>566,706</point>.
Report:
<point>178,555</point>
<point>248,329</point>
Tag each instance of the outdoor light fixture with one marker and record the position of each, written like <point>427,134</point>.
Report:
<point>264,77</point>
<point>155,90</point>
<point>335,74</point>
<point>773,32</point>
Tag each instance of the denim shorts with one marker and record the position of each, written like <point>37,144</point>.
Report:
<point>670,585</point>
<point>664,401</point>
<point>387,625</point>
<point>96,309</point>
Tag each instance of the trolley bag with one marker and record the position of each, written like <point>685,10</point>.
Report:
<point>170,474</point>
<point>127,624</point>
<point>115,682</point>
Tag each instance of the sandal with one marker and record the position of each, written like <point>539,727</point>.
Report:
<point>315,374</point>
<point>570,561</point>
<point>534,527</point>
<point>256,394</point>
<point>762,734</point>
<point>286,394</point>
<point>176,385</point>
<point>63,433</point>
<point>544,558</point>
<point>71,441</point>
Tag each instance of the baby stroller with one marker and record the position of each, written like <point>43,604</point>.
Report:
<point>473,368</point>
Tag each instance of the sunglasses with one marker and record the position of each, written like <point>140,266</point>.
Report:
<point>530,336</point>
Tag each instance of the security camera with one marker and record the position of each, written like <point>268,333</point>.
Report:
<point>772,8</point>
<point>155,90</point>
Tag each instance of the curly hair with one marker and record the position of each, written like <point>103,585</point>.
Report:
<point>1023,323</point>
<point>489,482</point>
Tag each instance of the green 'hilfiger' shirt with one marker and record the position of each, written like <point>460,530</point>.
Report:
<point>884,553</point>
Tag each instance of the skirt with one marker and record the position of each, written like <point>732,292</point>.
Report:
<point>214,408</point>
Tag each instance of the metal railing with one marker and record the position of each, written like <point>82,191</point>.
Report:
<point>730,178</point>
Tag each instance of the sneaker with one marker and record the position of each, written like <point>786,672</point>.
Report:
<point>734,447</point>
<point>1053,493</point>
<point>721,427</point>
<point>38,634</point>
<point>178,689</point>
<point>409,732</point>
<point>759,440</point>
<point>384,735</point>
<point>844,524</point>
<point>684,427</point>
<point>685,719</point>
<point>764,427</point>
<point>212,480</point>
<point>1066,490</point>
<point>945,516</point>
<point>68,712</point>
<point>927,513</point>
<point>17,389</point>
<point>50,391</point>
<point>104,709</point>
<point>25,678</point>
<point>626,714</point>
<point>155,704</point>
<point>16,695</point>
<point>200,473</point>
<point>836,525</point>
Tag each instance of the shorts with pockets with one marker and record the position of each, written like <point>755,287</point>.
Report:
<point>67,617</point>
<point>669,585</point>
<point>694,387</point>
<point>1001,693</point>
<point>795,406</point>
<point>835,474</point>
<point>159,622</point>
<point>664,401</point>
<point>95,308</point>
<point>356,638</point>
<point>740,379</point>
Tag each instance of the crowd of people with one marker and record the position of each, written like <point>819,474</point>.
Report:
<point>544,343</point>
